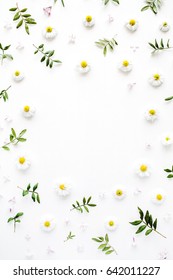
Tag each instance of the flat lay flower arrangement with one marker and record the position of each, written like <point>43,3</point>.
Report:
<point>86,129</point>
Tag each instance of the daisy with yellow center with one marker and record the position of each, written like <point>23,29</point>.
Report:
<point>151,115</point>
<point>125,66</point>
<point>158,196</point>
<point>132,25</point>
<point>143,169</point>
<point>89,21</point>
<point>156,80</point>
<point>164,27</point>
<point>119,193</point>
<point>48,223</point>
<point>167,139</point>
<point>23,163</point>
<point>63,189</point>
<point>18,76</point>
<point>49,32</point>
<point>84,67</point>
<point>111,224</point>
<point>28,111</point>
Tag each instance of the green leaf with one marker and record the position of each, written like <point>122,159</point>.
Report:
<point>150,220</point>
<point>86,209</point>
<point>13,132</point>
<point>20,23</point>
<point>168,170</point>
<point>156,44</point>
<point>22,132</point>
<point>33,197</point>
<point>18,215</point>
<point>17,221</point>
<point>101,238</point>
<point>57,61</point>
<point>170,176</point>
<point>106,248</point>
<point>169,98</point>
<point>105,51</point>
<point>16,16</point>
<point>38,198</point>
<point>141,228</point>
<point>148,231</point>
<point>23,10</point>
<point>155,224</point>
<point>152,46</point>
<point>7,47</point>
<point>47,61</point>
<point>10,219</point>
<point>36,52</point>
<point>102,246</point>
<point>6,148</point>
<point>26,28</point>
<point>43,59</point>
<point>106,238</point>
<point>92,205</point>
<point>25,192</point>
<point>145,8</point>
<point>161,43</point>
<point>22,139</point>
<point>51,64</point>
<point>51,53</point>
<point>28,187</point>
<point>97,240</point>
<point>109,252</point>
<point>26,15</point>
<point>147,217</point>
<point>141,213</point>
<point>12,9</point>
<point>136,223</point>
<point>35,187</point>
<point>84,200</point>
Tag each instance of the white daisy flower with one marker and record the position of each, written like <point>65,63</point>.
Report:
<point>132,25</point>
<point>18,76</point>
<point>83,67</point>
<point>156,80</point>
<point>151,115</point>
<point>119,193</point>
<point>47,223</point>
<point>164,27</point>
<point>143,169</point>
<point>22,163</point>
<point>125,66</point>
<point>63,189</point>
<point>158,196</point>
<point>49,32</point>
<point>167,140</point>
<point>89,21</point>
<point>111,224</point>
<point>28,112</point>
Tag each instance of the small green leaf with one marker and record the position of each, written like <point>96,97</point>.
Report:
<point>141,228</point>
<point>33,197</point>
<point>141,213</point>
<point>109,252</point>
<point>145,8</point>
<point>155,224</point>
<point>13,132</point>
<point>12,9</point>
<point>10,219</point>
<point>35,187</point>
<point>102,246</point>
<point>16,16</point>
<point>168,170</point>
<point>28,187</point>
<point>136,223</point>
<point>26,28</point>
<point>97,240</point>
<point>148,231</point>
<point>23,10</point>
<point>170,176</point>
<point>87,210</point>
<point>6,148</point>
<point>147,217</point>
<point>106,238</point>
<point>25,192</point>
<point>38,198</point>
<point>20,23</point>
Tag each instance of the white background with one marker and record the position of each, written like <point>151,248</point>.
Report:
<point>88,130</point>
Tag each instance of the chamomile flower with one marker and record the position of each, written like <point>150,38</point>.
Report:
<point>143,169</point>
<point>63,189</point>
<point>22,163</point>
<point>156,80</point>
<point>119,193</point>
<point>125,66</point>
<point>164,27</point>
<point>167,140</point>
<point>28,112</point>
<point>18,76</point>
<point>47,223</point>
<point>151,115</point>
<point>132,25</point>
<point>89,21</point>
<point>49,32</point>
<point>111,224</point>
<point>158,196</point>
<point>84,67</point>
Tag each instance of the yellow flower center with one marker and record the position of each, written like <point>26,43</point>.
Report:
<point>26,108</point>
<point>84,64</point>
<point>125,63</point>
<point>119,192</point>
<point>156,77</point>
<point>49,29</point>
<point>167,138</point>
<point>152,112</point>
<point>143,168</point>
<point>62,187</point>
<point>159,197</point>
<point>111,223</point>
<point>132,22</point>
<point>47,224</point>
<point>16,73</point>
<point>22,160</point>
<point>88,18</point>
<point>165,24</point>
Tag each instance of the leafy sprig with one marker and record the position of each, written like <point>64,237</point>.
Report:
<point>4,55</point>
<point>160,46</point>
<point>15,219</point>
<point>62,2</point>
<point>14,138</point>
<point>106,44</point>
<point>170,171</point>
<point>23,18</point>
<point>70,236</point>
<point>84,205</point>
<point>154,5</point>
<point>47,56</point>
<point>147,223</point>
<point>104,245</point>
<point>4,94</point>
<point>114,1</point>
<point>169,98</point>
<point>34,194</point>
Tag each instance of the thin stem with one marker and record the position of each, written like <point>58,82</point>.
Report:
<point>78,207</point>
<point>154,229</point>
<point>27,190</point>
<point>8,88</point>
<point>14,226</point>
<point>43,53</point>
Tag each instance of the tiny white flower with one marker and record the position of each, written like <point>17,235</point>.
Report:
<point>167,140</point>
<point>22,163</point>
<point>63,189</point>
<point>49,32</point>
<point>125,66</point>
<point>164,27</point>
<point>89,21</point>
<point>132,25</point>
<point>151,115</point>
<point>84,67</point>
<point>158,196</point>
<point>156,80</point>
<point>143,169</point>
<point>28,112</point>
<point>18,76</point>
<point>119,193</point>
<point>111,224</point>
<point>47,223</point>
